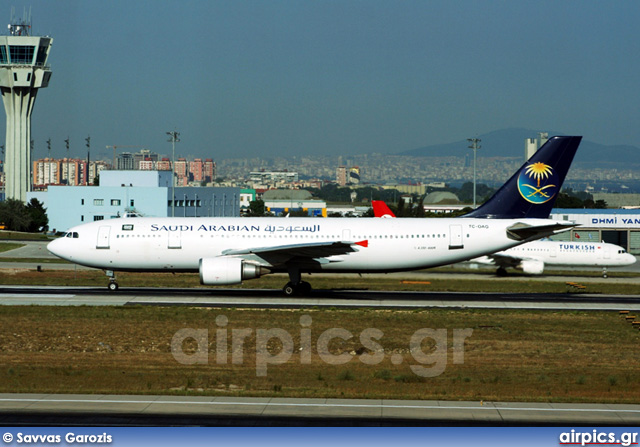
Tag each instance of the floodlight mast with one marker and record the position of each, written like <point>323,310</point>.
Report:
<point>475,146</point>
<point>173,139</point>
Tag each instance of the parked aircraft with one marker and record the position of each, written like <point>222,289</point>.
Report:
<point>229,250</point>
<point>532,257</point>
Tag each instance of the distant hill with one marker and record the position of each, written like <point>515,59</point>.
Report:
<point>510,143</point>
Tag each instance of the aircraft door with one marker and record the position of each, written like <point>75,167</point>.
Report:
<point>346,235</point>
<point>175,239</point>
<point>607,252</point>
<point>103,237</point>
<point>553,251</point>
<point>455,237</point>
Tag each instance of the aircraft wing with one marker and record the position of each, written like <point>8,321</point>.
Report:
<point>504,260</point>
<point>314,252</point>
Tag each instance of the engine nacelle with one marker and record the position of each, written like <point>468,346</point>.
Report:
<point>227,271</point>
<point>532,267</point>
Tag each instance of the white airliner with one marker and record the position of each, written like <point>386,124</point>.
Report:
<point>533,256</point>
<point>229,250</point>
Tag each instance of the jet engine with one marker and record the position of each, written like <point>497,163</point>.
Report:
<point>532,267</point>
<point>227,271</point>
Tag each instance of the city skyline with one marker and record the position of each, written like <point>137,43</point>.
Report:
<point>247,79</point>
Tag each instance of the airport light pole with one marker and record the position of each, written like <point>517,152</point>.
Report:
<point>475,146</point>
<point>87,176</point>
<point>66,142</point>
<point>2,162</point>
<point>31,179</point>
<point>173,138</point>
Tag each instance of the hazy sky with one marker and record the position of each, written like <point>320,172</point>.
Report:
<point>266,78</point>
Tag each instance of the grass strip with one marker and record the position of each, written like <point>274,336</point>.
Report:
<point>16,235</point>
<point>511,355</point>
<point>6,246</point>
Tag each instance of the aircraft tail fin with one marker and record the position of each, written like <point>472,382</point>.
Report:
<point>532,191</point>
<point>380,209</point>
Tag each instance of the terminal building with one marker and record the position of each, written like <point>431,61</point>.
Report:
<point>147,193</point>
<point>616,226</point>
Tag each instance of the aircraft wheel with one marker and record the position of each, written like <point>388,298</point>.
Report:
<point>501,272</point>
<point>305,288</point>
<point>289,289</point>
<point>113,286</point>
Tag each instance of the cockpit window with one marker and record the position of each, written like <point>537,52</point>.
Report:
<point>72,234</point>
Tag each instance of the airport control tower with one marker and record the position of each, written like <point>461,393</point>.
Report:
<point>23,70</point>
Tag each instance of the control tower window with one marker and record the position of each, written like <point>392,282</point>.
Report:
<point>42,55</point>
<point>3,55</point>
<point>21,54</point>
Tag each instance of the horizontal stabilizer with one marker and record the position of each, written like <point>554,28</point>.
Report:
<point>524,232</point>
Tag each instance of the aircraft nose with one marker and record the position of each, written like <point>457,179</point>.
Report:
<point>58,248</point>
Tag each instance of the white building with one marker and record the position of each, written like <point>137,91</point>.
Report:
<point>616,226</point>
<point>143,192</point>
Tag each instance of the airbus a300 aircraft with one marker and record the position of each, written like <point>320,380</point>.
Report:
<point>229,250</point>
<point>533,256</point>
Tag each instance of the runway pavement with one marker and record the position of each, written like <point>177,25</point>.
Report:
<point>209,410</point>
<point>267,298</point>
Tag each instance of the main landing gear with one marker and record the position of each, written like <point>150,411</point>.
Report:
<point>501,272</point>
<point>302,288</point>
<point>113,284</point>
<point>295,286</point>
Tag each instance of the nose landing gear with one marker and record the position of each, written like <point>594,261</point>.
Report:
<point>113,284</point>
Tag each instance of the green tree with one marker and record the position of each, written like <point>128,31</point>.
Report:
<point>401,209</point>
<point>419,209</point>
<point>566,201</point>
<point>465,193</point>
<point>368,213</point>
<point>600,204</point>
<point>15,216</point>
<point>38,214</point>
<point>256,208</point>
